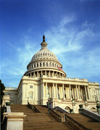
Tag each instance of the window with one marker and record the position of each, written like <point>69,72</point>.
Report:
<point>31,86</point>
<point>52,64</point>
<point>40,64</point>
<point>34,65</point>
<point>47,64</point>
<point>43,64</point>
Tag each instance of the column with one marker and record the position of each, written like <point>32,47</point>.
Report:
<point>98,94</point>
<point>34,74</point>
<point>70,91</point>
<point>63,90</point>
<point>53,73</point>
<point>46,90</point>
<point>42,90</point>
<point>49,73</point>
<point>56,90</point>
<point>53,90</point>
<point>79,96</point>
<point>38,64</point>
<point>23,91</point>
<point>76,93</point>
<point>30,74</point>
<point>85,92</point>
<point>88,91</point>
<point>41,73</point>
<point>37,74</point>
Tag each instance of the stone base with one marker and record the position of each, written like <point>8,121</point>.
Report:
<point>14,120</point>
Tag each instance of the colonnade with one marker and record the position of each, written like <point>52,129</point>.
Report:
<point>47,73</point>
<point>64,91</point>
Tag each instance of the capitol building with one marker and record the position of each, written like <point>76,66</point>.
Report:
<point>46,80</point>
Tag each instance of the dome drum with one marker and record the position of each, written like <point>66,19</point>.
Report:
<point>39,64</point>
<point>46,72</point>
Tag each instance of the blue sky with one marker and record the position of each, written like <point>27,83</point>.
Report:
<point>71,28</point>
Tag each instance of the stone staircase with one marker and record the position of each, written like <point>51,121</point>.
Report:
<point>39,121</point>
<point>86,121</point>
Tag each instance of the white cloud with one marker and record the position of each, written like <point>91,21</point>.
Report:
<point>62,38</point>
<point>17,49</point>
<point>67,20</point>
<point>87,25</point>
<point>87,32</point>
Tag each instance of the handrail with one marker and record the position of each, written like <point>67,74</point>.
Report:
<point>55,115</point>
<point>75,124</point>
<point>36,110</point>
<point>61,109</point>
<point>90,114</point>
<point>33,108</point>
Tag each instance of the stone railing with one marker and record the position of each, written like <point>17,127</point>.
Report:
<point>80,79</point>
<point>93,83</point>
<point>55,115</point>
<point>76,125</point>
<point>61,109</point>
<point>12,88</point>
<point>90,114</point>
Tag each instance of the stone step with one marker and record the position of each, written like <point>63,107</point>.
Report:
<point>48,125</point>
<point>42,109</point>
<point>48,128</point>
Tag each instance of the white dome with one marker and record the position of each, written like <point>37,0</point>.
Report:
<point>44,60</point>
<point>44,53</point>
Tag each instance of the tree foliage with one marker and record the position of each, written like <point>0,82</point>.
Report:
<point>2,87</point>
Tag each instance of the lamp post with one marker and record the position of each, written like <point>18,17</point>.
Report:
<point>73,105</point>
<point>84,98</point>
<point>48,106</point>
<point>98,106</point>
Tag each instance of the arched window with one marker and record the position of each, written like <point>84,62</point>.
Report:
<point>40,64</point>
<point>47,64</point>
<point>52,64</point>
<point>34,65</point>
<point>43,63</point>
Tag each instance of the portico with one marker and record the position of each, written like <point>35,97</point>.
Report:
<point>65,91</point>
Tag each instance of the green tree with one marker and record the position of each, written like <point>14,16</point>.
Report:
<point>2,87</point>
